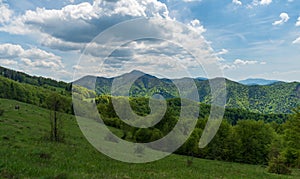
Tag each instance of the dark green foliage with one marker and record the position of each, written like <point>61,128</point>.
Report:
<point>254,138</point>
<point>292,140</point>
<point>1,112</point>
<point>32,80</point>
<point>36,95</point>
<point>277,165</point>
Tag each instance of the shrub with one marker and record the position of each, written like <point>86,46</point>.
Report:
<point>278,165</point>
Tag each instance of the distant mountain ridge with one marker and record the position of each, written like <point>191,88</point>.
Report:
<point>257,81</point>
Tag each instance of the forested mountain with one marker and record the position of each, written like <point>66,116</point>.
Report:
<point>279,97</point>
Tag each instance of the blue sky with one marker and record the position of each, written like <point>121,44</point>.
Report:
<point>250,38</point>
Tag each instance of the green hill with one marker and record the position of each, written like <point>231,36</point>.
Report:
<point>25,153</point>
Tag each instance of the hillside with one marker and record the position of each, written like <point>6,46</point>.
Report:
<point>25,153</point>
<point>279,97</point>
<point>32,80</point>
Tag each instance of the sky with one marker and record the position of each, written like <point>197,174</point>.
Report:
<point>241,38</point>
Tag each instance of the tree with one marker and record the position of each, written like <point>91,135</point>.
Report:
<point>292,138</point>
<point>255,138</point>
<point>56,104</point>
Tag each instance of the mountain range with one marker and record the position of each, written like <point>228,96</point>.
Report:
<point>275,97</point>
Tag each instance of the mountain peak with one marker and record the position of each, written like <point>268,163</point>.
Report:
<point>137,72</point>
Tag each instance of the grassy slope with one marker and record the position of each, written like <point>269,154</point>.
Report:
<point>24,152</point>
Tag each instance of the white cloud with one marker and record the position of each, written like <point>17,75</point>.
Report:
<point>237,2</point>
<point>196,26</point>
<point>40,63</point>
<point>245,62</point>
<point>261,2</point>
<point>297,41</point>
<point>8,62</point>
<point>298,22</point>
<point>228,67</point>
<point>265,2</point>
<point>9,53</point>
<point>72,26</point>
<point>222,52</point>
<point>238,63</point>
<point>10,50</point>
<point>284,17</point>
<point>5,12</point>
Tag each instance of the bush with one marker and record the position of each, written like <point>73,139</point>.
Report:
<point>277,165</point>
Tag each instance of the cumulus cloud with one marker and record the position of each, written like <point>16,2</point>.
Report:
<point>237,2</point>
<point>5,12</point>
<point>82,22</point>
<point>196,26</point>
<point>34,57</point>
<point>73,27</point>
<point>284,17</point>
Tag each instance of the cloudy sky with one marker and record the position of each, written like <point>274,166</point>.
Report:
<point>246,38</point>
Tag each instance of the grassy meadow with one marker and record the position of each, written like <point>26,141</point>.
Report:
<point>26,152</point>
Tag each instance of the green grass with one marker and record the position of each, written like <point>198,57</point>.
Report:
<point>25,153</point>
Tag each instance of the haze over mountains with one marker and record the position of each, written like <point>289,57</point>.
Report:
<point>257,81</point>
